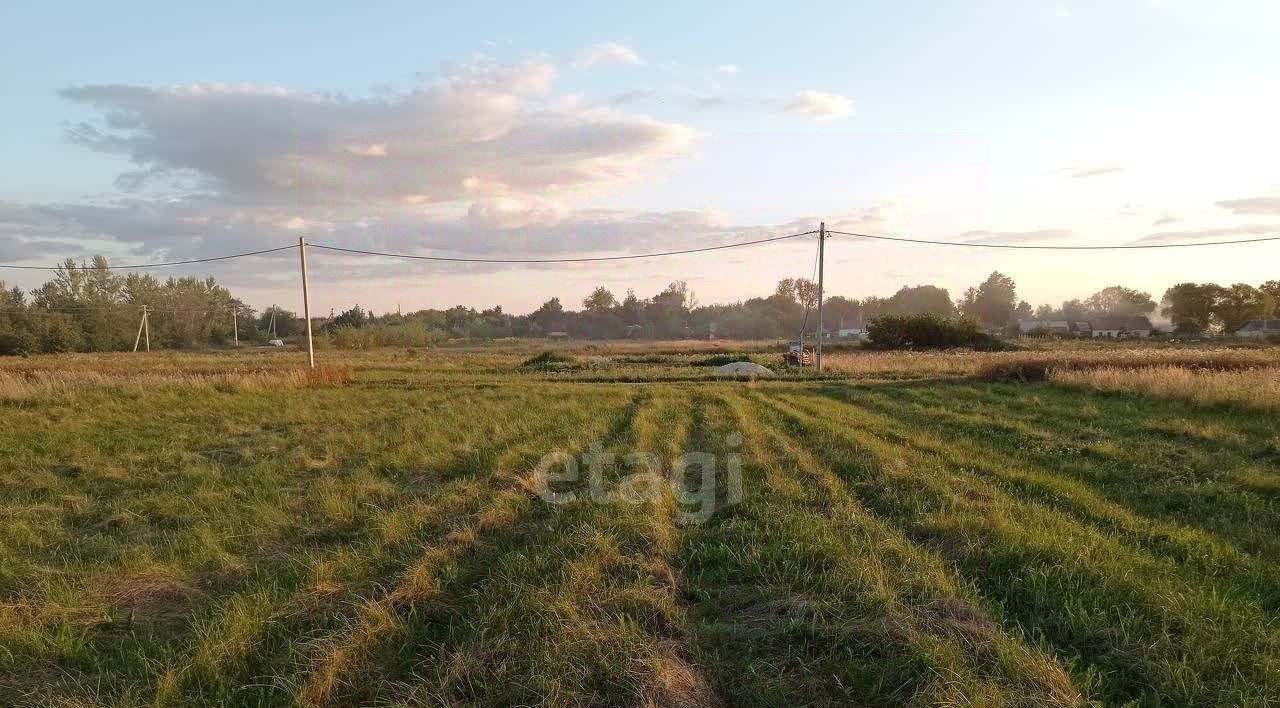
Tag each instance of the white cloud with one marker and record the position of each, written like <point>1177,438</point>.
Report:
<point>607,53</point>
<point>1054,236</point>
<point>1253,205</point>
<point>1090,171</point>
<point>727,69</point>
<point>820,105</point>
<point>1229,233</point>
<point>484,121</point>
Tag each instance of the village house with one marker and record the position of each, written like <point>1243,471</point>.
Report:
<point>1059,327</point>
<point>1117,327</point>
<point>1257,329</point>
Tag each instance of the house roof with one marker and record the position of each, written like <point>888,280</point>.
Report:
<point>1121,323</point>
<point>1261,324</point>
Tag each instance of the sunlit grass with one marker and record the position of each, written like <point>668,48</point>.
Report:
<point>168,537</point>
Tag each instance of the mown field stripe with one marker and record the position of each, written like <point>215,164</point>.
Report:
<point>1130,626</point>
<point>1203,557</point>
<point>801,596</point>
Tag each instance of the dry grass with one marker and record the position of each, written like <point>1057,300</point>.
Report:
<point>18,384</point>
<point>1036,365</point>
<point>1254,387</point>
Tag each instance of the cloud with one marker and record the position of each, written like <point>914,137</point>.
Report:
<point>727,69</point>
<point>1094,171</point>
<point>820,105</point>
<point>1016,237</point>
<point>607,53</point>
<point>631,96</point>
<point>1227,234</point>
<point>1252,205</point>
<point>257,145</point>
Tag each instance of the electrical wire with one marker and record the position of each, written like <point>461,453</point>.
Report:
<point>583,259</point>
<point>805,324</point>
<point>140,266</point>
<point>1053,247</point>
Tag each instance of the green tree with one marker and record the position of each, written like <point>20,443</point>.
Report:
<point>1271,289</point>
<point>1236,305</point>
<point>993,302</point>
<point>921,300</point>
<point>1119,301</point>
<point>600,301</point>
<point>1190,306</point>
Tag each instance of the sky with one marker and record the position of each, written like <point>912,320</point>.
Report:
<point>168,131</point>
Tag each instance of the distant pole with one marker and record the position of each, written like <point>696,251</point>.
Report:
<point>141,323</point>
<point>306,301</point>
<point>146,325</point>
<point>822,240</point>
<point>235,326</point>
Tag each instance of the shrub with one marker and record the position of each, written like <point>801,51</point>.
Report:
<point>550,361</point>
<point>926,332</point>
<point>18,343</point>
<point>719,359</point>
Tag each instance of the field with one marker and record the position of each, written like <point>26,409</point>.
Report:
<point>1091,526</point>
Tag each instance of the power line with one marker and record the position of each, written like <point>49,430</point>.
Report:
<point>1054,247</point>
<point>581,259</point>
<point>140,266</point>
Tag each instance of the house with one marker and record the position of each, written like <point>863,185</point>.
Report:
<point>1257,329</point>
<point>857,330</point>
<point>1061,327</point>
<point>1117,327</point>
<point>1082,329</point>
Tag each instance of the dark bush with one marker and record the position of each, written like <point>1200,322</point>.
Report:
<point>927,332</point>
<point>719,359</point>
<point>550,361</point>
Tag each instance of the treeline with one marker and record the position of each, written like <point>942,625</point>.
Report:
<point>88,307</point>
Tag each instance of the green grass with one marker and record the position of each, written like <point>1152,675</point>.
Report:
<point>379,541</point>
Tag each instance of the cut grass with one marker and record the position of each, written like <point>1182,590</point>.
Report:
<point>380,541</point>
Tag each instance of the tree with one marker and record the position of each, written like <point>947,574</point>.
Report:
<point>1119,301</point>
<point>355,317</point>
<point>1238,304</point>
<point>993,302</point>
<point>799,290</point>
<point>1271,289</point>
<point>921,300</point>
<point>632,308</point>
<point>550,316</point>
<point>600,301</point>
<point>1190,306</point>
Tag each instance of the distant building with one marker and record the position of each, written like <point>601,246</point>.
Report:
<point>1118,327</point>
<point>856,330</point>
<point>1256,329</point>
<point>1061,327</point>
<point>558,334</point>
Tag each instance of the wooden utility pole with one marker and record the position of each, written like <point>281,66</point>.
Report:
<point>822,240</point>
<point>235,326</point>
<point>306,301</point>
<point>143,327</point>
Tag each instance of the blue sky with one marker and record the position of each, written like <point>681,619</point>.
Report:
<point>1061,121</point>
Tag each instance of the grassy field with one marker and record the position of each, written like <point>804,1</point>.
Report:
<point>1046,528</point>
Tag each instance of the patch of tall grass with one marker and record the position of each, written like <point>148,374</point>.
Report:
<point>1252,387</point>
<point>36,384</point>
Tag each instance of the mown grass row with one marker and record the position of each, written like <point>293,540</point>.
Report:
<point>382,542</point>
<point>1133,624</point>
